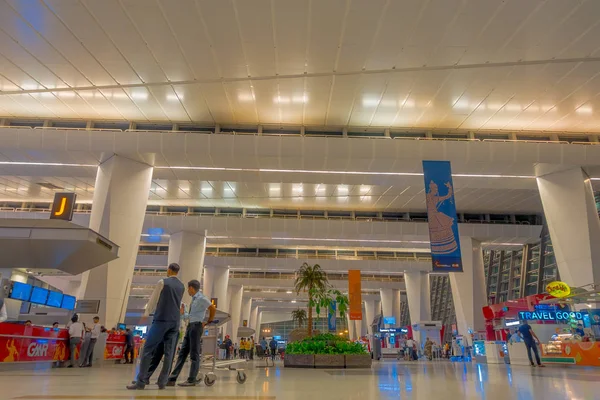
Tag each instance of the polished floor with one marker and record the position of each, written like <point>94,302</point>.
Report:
<point>386,380</point>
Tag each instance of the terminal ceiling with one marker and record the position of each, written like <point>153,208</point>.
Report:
<point>440,64</point>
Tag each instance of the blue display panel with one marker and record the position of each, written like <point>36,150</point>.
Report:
<point>54,299</point>
<point>20,291</point>
<point>68,302</point>
<point>39,295</point>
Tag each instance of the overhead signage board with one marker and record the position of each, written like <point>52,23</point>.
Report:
<point>87,306</point>
<point>558,316</point>
<point>441,217</point>
<point>63,206</point>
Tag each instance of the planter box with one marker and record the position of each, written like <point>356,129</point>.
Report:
<point>329,361</point>
<point>299,361</point>
<point>358,361</point>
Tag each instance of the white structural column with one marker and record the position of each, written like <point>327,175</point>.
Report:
<point>216,280</point>
<point>369,314</point>
<point>254,319</point>
<point>570,210</point>
<point>396,305</point>
<point>419,299</point>
<point>351,328</point>
<point>187,249</point>
<point>235,309</point>
<point>468,289</point>
<point>387,302</point>
<point>246,311</point>
<point>258,333</point>
<point>118,211</point>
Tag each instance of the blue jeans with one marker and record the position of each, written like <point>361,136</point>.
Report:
<point>161,332</point>
<point>530,345</point>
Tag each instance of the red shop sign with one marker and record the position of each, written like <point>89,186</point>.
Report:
<point>23,349</point>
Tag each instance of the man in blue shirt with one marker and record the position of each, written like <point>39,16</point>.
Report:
<point>191,342</point>
<point>530,339</point>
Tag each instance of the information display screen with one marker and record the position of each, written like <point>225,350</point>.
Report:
<point>54,299</point>
<point>20,291</point>
<point>39,295</point>
<point>68,302</point>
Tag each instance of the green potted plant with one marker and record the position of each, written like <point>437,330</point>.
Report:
<point>326,351</point>
<point>310,278</point>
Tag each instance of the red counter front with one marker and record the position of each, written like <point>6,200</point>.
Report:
<point>20,343</point>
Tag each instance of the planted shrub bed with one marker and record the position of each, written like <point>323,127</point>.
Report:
<point>326,351</point>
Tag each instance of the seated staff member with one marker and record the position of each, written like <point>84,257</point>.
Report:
<point>191,342</point>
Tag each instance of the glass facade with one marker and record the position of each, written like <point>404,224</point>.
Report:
<point>510,277</point>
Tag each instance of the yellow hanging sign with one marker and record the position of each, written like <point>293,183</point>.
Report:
<point>558,289</point>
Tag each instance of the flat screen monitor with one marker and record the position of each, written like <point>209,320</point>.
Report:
<point>54,299</point>
<point>141,328</point>
<point>20,291</point>
<point>39,295</point>
<point>121,327</point>
<point>389,320</point>
<point>68,302</point>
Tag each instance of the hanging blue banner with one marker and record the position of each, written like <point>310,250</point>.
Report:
<point>331,320</point>
<point>441,214</point>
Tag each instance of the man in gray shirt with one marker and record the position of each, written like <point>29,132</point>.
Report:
<point>193,334</point>
<point>166,301</point>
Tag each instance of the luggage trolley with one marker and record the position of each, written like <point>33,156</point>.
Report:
<point>209,360</point>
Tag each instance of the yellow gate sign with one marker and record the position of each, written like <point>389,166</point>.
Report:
<point>558,289</point>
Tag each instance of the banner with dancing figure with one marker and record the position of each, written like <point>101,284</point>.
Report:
<point>441,214</point>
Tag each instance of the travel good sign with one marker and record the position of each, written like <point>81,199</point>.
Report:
<point>550,315</point>
<point>63,206</point>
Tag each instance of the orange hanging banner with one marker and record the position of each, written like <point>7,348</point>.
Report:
<point>354,295</point>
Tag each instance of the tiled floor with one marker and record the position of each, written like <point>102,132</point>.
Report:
<point>387,380</point>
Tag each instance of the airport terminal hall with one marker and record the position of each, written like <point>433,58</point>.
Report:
<point>299,199</point>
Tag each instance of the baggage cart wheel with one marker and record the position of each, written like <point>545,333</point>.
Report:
<point>241,377</point>
<point>210,379</point>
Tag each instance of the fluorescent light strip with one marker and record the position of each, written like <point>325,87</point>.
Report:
<point>46,164</point>
<point>291,171</point>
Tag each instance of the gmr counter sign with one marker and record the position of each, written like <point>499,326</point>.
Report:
<point>549,315</point>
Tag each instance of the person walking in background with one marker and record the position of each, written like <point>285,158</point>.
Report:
<point>165,302</point>
<point>243,348</point>
<point>129,345</point>
<point>273,348</point>
<point>193,335</point>
<point>263,344</point>
<point>410,344</point>
<point>252,347</point>
<point>95,331</point>
<point>247,347</point>
<point>236,348</point>
<point>75,335</point>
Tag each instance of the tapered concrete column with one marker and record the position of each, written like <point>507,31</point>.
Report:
<point>396,306</point>
<point>235,309</point>
<point>570,210</point>
<point>187,249</point>
<point>418,296</point>
<point>369,315</point>
<point>118,211</point>
<point>216,281</point>
<point>351,328</point>
<point>254,318</point>
<point>377,307</point>
<point>258,333</point>
<point>246,310</point>
<point>468,289</point>
<point>387,302</point>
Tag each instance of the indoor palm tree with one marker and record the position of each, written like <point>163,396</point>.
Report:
<point>310,278</point>
<point>299,316</point>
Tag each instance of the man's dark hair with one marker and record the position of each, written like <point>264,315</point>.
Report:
<point>28,321</point>
<point>97,317</point>
<point>194,284</point>
<point>55,323</point>
<point>174,267</point>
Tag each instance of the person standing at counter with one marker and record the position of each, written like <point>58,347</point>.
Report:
<point>129,345</point>
<point>531,341</point>
<point>75,335</point>
<point>166,304</point>
<point>95,333</point>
